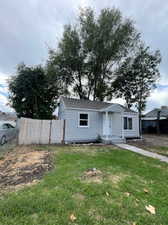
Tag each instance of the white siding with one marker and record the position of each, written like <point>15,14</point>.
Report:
<point>116,126</point>
<point>74,133</point>
<point>135,123</point>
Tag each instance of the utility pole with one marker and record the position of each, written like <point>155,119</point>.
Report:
<point>158,119</point>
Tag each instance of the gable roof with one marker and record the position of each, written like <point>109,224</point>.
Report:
<point>154,112</point>
<point>88,104</point>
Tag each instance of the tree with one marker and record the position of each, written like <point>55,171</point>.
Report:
<point>88,52</point>
<point>136,77</point>
<point>32,93</point>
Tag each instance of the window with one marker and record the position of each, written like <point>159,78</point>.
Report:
<point>127,123</point>
<point>130,123</point>
<point>4,126</point>
<point>9,125</point>
<point>83,120</point>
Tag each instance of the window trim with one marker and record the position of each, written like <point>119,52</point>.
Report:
<point>83,119</point>
<point>127,128</point>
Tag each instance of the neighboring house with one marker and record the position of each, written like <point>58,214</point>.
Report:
<point>87,121</point>
<point>154,118</point>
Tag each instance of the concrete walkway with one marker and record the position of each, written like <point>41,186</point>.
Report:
<point>143,152</point>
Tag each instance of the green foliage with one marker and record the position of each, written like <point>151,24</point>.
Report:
<point>96,59</point>
<point>88,51</point>
<point>32,93</point>
<point>137,76</point>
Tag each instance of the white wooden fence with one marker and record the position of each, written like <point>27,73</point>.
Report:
<point>33,131</point>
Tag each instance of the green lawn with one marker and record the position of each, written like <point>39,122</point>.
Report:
<point>64,191</point>
<point>163,150</point>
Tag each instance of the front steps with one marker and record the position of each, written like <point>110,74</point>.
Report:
<point>113,140</point>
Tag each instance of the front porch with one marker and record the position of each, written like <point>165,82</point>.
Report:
<point>113,126</point>
<point>112,139</point>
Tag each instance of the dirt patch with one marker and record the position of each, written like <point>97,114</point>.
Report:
<point>153,143</point>
<point>97,176</point>
<point>94,214</point>
<point>91,149</point>
<point>23,166</point>
<point>93,176</point>
<point>156,140</point>
<point>116,178</point>
<point>78,197</point>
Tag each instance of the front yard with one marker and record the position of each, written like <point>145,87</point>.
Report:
<point>116,193</point>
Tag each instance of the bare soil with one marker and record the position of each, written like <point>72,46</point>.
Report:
<point>23,166</point>
<point>154,143</point>
<point>152,140</point>
<point>93,175</point>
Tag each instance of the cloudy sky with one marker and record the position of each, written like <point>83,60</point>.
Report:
<point>28,28</point>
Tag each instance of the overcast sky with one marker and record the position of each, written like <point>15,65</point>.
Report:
<point>28,28</point>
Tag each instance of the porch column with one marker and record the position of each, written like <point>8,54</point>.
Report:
<point>122,124</point>
<point>107,133</point>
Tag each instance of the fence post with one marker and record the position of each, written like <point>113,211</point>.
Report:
<point>63,138</point>
<point>50,132</point>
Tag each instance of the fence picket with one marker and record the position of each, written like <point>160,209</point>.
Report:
<point>33,131</point>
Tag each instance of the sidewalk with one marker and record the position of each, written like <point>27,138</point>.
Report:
<point>143,152</point>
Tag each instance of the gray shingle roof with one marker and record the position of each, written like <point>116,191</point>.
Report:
<point>88,104</point>
<point>154,112</point>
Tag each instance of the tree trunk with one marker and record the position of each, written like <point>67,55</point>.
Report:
<point>80,88</point>
<point>140,122</point>
<point>140,113</point>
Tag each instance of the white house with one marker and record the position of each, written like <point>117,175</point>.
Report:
<point>87,121</point>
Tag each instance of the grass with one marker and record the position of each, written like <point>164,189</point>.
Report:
<point>163,150</point>
<point>63,191</point>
